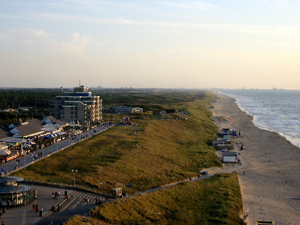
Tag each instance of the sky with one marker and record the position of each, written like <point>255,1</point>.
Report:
<point>150,44</point>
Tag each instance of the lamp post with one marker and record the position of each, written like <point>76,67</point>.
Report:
<point>74,171</point>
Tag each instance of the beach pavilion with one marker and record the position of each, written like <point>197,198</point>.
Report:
<point>12,194</point>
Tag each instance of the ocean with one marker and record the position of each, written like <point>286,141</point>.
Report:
<point>273,110</point>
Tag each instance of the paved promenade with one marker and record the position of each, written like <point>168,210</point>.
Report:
<point>26,216</point>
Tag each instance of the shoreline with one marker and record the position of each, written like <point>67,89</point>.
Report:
<point>270,188</point>
<point>262,128</point>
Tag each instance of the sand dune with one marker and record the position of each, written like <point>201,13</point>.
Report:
<point>271,186</point>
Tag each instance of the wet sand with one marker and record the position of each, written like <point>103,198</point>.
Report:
<point>271,186</point>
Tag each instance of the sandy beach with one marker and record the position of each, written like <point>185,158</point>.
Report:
<point>270,187</point>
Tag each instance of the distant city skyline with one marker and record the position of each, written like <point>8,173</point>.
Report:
<point>150,44</point>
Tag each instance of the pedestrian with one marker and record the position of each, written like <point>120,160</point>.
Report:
<point>52,194</point>
<point>33,207</point>
<point>106,197</point>
<point>57,207</point>
<point>41,154</point>
<point>36,208</point>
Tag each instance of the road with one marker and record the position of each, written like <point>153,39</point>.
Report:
<point>28,159</point>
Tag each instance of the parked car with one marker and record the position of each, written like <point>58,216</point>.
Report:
<point>225,150</point>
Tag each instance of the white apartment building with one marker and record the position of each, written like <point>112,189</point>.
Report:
<point>77,106</point>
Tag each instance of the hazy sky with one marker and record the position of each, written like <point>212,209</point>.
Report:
<point>145,43</point>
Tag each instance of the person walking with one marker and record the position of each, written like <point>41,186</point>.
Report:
<point>57,207</point>
<point>36,208</point>
<point>41,212</point>
<point>33,207</point>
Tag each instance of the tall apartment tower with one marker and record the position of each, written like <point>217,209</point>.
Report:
<point>77,106</point>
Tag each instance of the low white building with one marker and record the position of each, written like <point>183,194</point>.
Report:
<point>229,157</point>
<point>126,109</point>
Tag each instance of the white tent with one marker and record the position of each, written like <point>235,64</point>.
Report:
<point>50,128</point>
<point>5,152</point>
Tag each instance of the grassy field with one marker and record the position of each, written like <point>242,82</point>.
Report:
<point>156,152</point>
<point>216,200</point>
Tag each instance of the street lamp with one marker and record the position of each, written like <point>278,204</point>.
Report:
<point>74,171</point>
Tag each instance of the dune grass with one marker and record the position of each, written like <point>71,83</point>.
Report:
<point>154,153</point>
<point>216,200</point>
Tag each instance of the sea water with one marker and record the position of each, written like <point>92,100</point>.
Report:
<point>273,110</point>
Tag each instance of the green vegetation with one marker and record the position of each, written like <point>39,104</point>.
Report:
<point>154,153</point>
<point>13,98</point>
<point>79,220</point>
<point>216,200</point>
<point>37,100</point>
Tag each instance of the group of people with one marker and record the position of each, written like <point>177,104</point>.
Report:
<point>34,156</point>
<point>56,194</point>
<point>35,208</point>
<point>98,201</point>
<point>53,209</point>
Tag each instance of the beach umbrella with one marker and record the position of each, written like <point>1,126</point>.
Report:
<point>47,137</point>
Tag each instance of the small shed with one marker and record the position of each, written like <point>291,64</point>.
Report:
<point>225,146</point>
<point>264,222</point>
<point>227,137</point>
<point>220,141</point>
<point>229,157</point>
<point>117,191</point>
